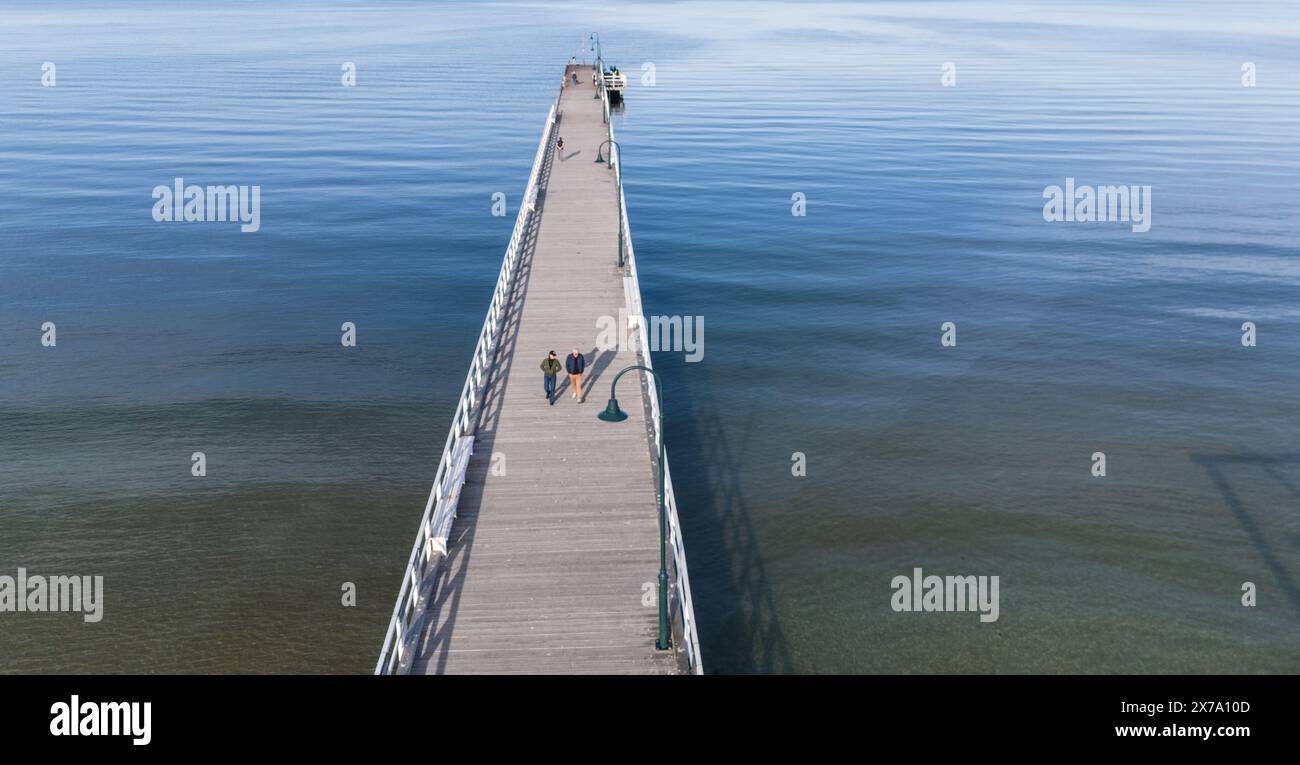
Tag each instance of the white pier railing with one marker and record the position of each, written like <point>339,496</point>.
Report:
<point>682,610</point>
<point>440,510</point>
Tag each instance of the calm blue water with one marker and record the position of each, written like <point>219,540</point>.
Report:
<point>822,332</point>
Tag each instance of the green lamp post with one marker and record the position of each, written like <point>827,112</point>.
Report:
<point>617,189</point>
<point>600,159</point>
<point>613,414</point>
<point>600,64</point>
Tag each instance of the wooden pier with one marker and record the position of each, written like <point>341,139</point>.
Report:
<point>550,563</point>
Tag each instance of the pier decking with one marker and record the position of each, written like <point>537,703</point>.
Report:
<point>551,562</point>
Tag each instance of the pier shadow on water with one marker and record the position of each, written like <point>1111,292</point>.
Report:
<point>735,609</point>
<point>1217,467</point>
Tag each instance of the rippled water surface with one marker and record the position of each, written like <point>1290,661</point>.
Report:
<point>924,205</point>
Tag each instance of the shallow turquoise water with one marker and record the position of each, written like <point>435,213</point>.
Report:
<point>822,331</point>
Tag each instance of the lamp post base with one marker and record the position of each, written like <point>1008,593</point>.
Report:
<point>665,641</point>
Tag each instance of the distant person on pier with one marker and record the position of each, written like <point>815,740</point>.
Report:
<point>576,363</point>
<point>550,368</point>
<point>559,145</point>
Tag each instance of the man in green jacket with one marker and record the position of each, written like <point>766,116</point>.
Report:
<point>550,368</point>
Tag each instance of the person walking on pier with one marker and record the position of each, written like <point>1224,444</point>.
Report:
<point>576,363</point>
<point>550,368</point>
<point>559,145</point>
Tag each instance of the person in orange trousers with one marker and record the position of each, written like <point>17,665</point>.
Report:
<point>576,364</point>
